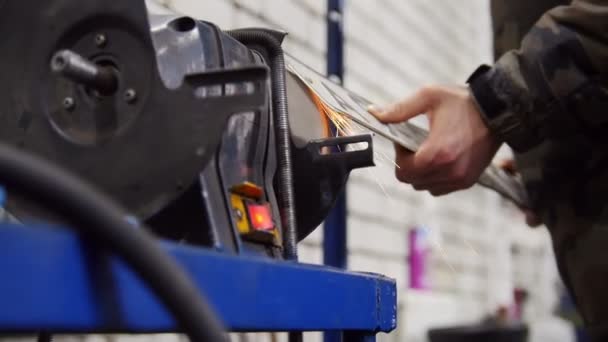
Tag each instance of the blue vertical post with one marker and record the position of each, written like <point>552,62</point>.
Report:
<point>334,231</point>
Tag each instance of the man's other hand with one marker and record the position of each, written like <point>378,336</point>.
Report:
<point>459,146</point>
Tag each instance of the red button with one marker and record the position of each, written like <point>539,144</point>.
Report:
<point>260,216</point>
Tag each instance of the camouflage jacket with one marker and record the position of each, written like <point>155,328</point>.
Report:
<point>547,97</point>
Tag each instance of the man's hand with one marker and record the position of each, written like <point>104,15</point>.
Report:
<point>459,146</point>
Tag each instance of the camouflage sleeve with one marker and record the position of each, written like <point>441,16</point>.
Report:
<point>555,86</point>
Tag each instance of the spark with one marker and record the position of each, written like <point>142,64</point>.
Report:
<point>442,252</point>
<point>471,247</point>
<point>377,180</point>
<point>386,158</point>
<point>345,127</point>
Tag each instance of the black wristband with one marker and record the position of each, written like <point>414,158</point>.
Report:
<point>485,96</point>
<point>495,111</point>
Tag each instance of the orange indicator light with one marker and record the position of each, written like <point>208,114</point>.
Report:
<point>260,215</point>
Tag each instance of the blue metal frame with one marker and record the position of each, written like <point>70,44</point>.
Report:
<point>334,233</point>
<point>334,230</point>
<point>53,281</point>
<point>335,39</point>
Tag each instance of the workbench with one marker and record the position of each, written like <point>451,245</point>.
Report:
<point>55,281</point>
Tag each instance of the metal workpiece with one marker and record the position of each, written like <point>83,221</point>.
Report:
<point>354,107</point>
<point>243,291</point>
<point>73,66</point>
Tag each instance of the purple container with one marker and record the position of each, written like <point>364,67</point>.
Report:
<point>418,239</point>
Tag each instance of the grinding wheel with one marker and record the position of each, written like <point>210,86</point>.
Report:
<point>143,144</point>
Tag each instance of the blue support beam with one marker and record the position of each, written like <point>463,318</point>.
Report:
<point>52,281</point>
<point>334,230</point>
<point>335,39</point>
<point>334,238</point>
<point>334,233</point>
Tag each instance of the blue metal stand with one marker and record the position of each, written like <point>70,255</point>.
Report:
<point>334,230</point>
<point>334,233</point>
<point>53,281</point>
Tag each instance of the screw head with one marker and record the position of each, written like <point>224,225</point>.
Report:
<point>100,40</point>
<point>68,103</point>
<point>130,95</point>
<point>238,213</point>
<point>335,16</point>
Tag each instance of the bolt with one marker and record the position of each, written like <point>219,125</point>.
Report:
<point>130,95</point>
<point>335,17</point>
<point>238,213</point>
<point>100,40</point>
<point>335,78</point>
<point>74,67</point>
<point>68,103</point>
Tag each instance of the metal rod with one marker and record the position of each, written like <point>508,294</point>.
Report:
<point>74,67</point>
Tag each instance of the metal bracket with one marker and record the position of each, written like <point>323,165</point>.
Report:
<point>340,155</point>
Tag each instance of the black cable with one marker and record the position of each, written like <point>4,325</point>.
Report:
<point>99,219</point>
<point>279,92</point>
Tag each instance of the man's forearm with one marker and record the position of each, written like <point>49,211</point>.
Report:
<point>555,85</point>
